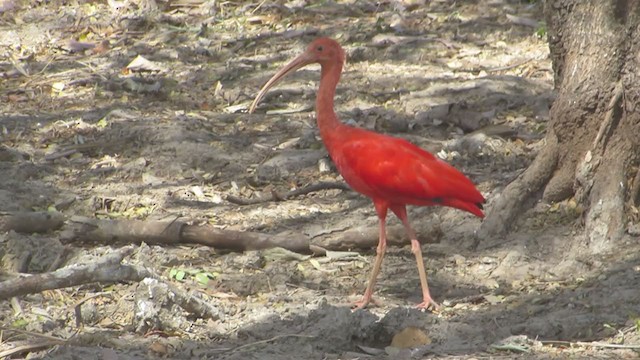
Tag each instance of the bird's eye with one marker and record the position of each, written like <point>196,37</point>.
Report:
<point>319,48</point>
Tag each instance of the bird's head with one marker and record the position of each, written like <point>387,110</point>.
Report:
<point>323,51</point>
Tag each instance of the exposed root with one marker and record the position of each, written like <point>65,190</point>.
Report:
<point>600,181</point>
<point>606,127</point>
<point>560,186</point>
<point>634,196</point>
<point>604,224</point>
<point>507,207</point>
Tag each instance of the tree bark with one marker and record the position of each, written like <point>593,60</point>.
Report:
<point>593,139</point>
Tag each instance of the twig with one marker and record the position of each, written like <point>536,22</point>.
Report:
<point>43,336</point>
<point>48,341</point>
<point>297,192</point>
<point>266,341</point>
<point>77,308</point>
<point>592,344</point>
<point>29,347</point>
<point>93,70</point>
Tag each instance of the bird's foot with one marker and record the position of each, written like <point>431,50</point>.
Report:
<point>364,302</point>
<point>429,304</point>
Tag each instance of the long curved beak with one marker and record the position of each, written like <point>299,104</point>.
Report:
<point>292,66</point>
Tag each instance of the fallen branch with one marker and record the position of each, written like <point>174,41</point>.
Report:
<point>244,240</point>
<point>297,192</point>
<point>78,229</point>
<point>31,222</point>
<point>106,269</point>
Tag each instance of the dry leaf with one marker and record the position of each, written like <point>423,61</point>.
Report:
<point>410,337</point>
<point>142,64</point>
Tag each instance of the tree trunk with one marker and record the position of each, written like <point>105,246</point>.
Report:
<point>592,147</point>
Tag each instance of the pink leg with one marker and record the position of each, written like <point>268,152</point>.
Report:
<point>427,301</point>
<point>381,208</point>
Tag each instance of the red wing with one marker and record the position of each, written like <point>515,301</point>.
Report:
<point>396,170</point>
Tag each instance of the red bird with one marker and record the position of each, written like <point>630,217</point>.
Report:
<point>391,171</point>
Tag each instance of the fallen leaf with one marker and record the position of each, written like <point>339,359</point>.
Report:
<point>410,337</point>
<point>142,64</point>
<point>494,299</point>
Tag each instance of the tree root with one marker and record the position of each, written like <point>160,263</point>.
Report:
<point>507,207</point>
<point>600,180</point>
<point>604,220</point>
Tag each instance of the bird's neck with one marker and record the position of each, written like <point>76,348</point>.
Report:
<point>328,121</point>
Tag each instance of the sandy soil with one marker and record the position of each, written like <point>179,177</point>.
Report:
<point>84,132</point>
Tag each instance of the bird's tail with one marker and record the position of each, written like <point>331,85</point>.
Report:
<point>474,208</point>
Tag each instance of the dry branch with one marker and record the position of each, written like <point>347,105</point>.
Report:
<point>106,269</point>
<point>84,229</point>
<point>79,229</point>
<point>244,240</point>
<point>31,222</point>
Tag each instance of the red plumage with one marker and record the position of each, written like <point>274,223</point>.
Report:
<point>391,171</point>
<point>399,172</point>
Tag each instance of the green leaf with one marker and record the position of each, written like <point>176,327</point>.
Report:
<point>20,323</point>
<point>102,123</point>
<point>180,275</point>
<point>202,278</point>
<point>315,264</point>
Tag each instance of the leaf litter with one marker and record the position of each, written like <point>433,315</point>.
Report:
<point>87,134</point>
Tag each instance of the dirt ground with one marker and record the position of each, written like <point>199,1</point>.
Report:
<point>84,131</point>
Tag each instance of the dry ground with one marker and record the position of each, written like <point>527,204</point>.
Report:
<point>84,132</point>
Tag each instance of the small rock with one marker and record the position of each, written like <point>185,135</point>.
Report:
<point>488,260</point>
<point>491,283</point>
<point>633,229</point>
<point>324,165</point>
<point>458,259</point>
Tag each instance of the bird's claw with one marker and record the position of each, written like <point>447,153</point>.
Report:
<point>363,303</point>
<point>429,304</point>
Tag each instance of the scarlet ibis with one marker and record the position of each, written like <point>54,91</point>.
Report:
<point>391,171</point>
